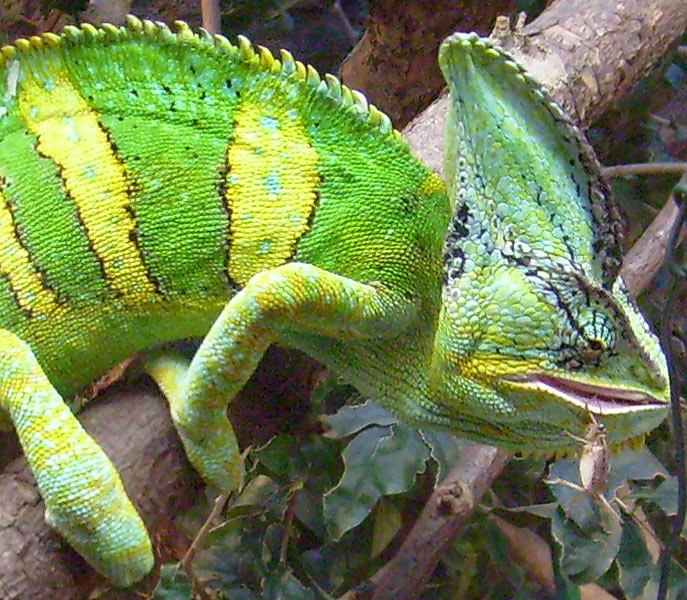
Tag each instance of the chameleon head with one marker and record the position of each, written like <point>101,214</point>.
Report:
<point>537,335</point>
<point>533,361</point>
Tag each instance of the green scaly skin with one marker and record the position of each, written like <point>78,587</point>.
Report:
<point>156,186</point>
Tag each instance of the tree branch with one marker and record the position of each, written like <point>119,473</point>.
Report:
<point>134,429</point>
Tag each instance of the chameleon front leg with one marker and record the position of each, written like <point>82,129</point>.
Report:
<point>294,296</point>
<point>84,497</point>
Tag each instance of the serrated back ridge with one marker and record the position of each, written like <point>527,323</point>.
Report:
<point>243,50</point>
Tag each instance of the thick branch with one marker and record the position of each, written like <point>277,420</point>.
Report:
<point>395,62</point>
<point>449,508</point>
<point>135,431</point>
<point>588,54</point>
<point>645,258</point>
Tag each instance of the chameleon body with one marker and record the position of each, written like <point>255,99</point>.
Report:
<point>157,186</point>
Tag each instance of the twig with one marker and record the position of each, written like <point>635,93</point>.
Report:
<point>288,524</point>
<point>644,259</point>
<point>185,563</point>
<point>212,19</point>
<point>345,23</point>
<point>658,168</point>
<point>446,512</point>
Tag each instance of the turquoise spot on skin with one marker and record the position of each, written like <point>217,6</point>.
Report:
<point>118,264</point>
<point>34,112</point>
<point>272,183</point>
<point>49,84</point>
<point>74,137</point>
<point>91,172</point>
<point>269,122</point>
<point>265,247</point>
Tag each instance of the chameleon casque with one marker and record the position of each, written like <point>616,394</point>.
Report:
<point>159,185</point>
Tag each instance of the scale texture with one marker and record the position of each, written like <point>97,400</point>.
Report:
<point>159,185</point>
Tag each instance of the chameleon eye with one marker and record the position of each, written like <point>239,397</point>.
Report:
<point>593,349</point>
<point>598,336</point>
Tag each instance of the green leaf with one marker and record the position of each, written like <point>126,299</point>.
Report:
<point>313,461</point>
<point>586,555</point>
<point>665,495</point>
<point>379,461</point>
<point>284,586</point>
<point>445,449</point>
<point>577,505</point>
<point>511,573</point>
<point>636,464</point>
<point>352,419</point>
<point>634,561</point>
<point>173,584</point>
<point>677,582</point>
<point>387,523</point>
<point>290,458</point>
<point>626,465</point>
<point>257,491</point>
<point>281,457</point>
<point>333,566</point>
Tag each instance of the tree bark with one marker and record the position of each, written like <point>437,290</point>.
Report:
<point>134,429</point>
<point>588,54</point>
<point>131,423</point>
<point>395,62</point>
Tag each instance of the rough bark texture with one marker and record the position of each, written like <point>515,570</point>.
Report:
<point>135,431</point>
<point>588,54</point>
<point>395,62</point>
<point>449,508</point>
<point>134,427</point>
<point>645,258</point>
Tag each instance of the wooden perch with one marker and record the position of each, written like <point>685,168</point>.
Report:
<point>134,429</point>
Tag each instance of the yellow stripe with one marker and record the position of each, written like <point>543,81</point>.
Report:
<point>271,188</point>
<point>69,133</point>
<point>16,265</point>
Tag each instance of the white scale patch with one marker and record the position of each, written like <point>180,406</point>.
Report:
<point>13,69</point>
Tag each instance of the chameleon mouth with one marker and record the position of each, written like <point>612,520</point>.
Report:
<point>596,399</point>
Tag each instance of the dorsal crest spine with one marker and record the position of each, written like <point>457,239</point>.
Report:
<point>260,58</point>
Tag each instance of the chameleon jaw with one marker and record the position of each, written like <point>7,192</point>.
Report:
<point>596,399</point>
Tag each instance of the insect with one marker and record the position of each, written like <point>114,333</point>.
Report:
<point>594,468</point>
